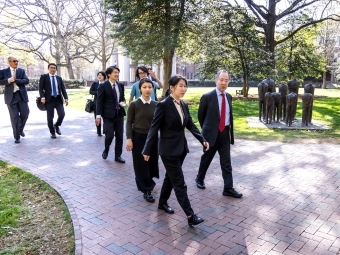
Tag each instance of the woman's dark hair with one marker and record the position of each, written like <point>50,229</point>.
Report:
<point>110,69</point>
<point>142,81</point>
<point>102,73</point>
<point>174,80</point>
<point>143,68</point>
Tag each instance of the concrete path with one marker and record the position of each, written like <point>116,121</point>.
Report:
<point>291,202</point>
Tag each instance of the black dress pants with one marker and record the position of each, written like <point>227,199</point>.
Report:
<point>174,179</point>
<point>144,170</point>
<point>222,145</point>
<point>55,103</point>
<point>18,112</point>
<point>114,127</point>
<point>99,127</point>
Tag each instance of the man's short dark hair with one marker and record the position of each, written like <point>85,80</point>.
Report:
<point>52,64</point>
<point>110,69</point>
<point>102,73</point>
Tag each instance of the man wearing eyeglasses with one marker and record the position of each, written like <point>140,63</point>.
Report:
<point>15,94</point>
<point>144,72</point>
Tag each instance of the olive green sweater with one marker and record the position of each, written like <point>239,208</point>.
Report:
<point>139,117</point>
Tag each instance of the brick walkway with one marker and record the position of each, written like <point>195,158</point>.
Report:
<point>291,202</point>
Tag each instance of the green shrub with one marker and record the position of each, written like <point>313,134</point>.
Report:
<point>69,84</point>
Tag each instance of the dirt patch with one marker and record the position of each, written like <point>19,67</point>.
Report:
<point>42,227</point>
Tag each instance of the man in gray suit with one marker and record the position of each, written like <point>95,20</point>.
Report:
<point>215,116</point>
<point>15,94</point>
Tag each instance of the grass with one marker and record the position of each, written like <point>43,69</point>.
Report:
<point>326,109</point>
<point>33,217</point>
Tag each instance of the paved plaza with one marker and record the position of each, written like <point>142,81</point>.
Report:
<point>290,204</point>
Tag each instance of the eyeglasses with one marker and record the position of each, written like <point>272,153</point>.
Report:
<point>15,61</point>
<point>141,72</point>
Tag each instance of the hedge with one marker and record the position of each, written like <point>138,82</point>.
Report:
<point>34,84</point>
<point>212,84</point>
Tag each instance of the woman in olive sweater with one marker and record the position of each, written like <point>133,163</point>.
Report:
<point>138,122</point>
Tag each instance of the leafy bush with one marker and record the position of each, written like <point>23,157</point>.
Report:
<point>212,84</point>
<point>69,84</point>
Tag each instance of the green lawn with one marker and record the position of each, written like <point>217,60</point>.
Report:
<point>33,218</point>
<point>325,109</point>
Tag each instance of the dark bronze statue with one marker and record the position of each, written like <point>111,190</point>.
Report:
<point>291,102</point>
<point>269,107</point>
<point>262,89</point>
<point>307,105</point>
<point>310,88</point>
<point>277,106</point>
<point>271,84</point>
<point>283,89</point>
<point>293,86</point>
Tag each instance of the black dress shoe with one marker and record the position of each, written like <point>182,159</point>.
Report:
<point>57,130</point>
<point>232,193</point>
<point>166,208</point>
<point>99,134</point>
<point>194,220</point>
<point>149,197</point>
<point>119,159</point>
<point>53,136</point>
<point>22,134</point>
<point>200,184</point>
<point>105,153</point>
<point>17,141</point>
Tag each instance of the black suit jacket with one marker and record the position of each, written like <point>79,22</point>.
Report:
<point>94,90</point>
<point>106,103</point>
<point>21,80</point>
<point>209,117</point>
<point>45,89</point>
<point>172,139</point>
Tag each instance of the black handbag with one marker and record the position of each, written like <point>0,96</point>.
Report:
<point>40,105</point>
<point>89,105</point>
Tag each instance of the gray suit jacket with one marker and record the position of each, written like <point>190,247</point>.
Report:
<point>21,80</point>
<point>209,117</point>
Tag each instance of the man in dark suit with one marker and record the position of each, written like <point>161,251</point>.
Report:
<point>215,116</point>
<point>110,106</point>
<point>171,117</point>
<point>16,98</point>
<point>53,93</point>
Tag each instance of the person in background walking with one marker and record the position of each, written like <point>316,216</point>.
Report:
<point>93,91</point>
<point>16,97</point>
<point>53,93</point>
<point>138,122</point>
<point>143,72</point>
<point>110,106</point>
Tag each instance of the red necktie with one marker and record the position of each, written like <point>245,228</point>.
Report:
<point>222,117</point>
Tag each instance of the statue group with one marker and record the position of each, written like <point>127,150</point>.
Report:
<point>282,105</point>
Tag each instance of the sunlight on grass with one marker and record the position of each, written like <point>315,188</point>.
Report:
<point>326,109</point>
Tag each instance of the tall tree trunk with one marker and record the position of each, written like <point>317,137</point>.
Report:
<point>270,30</point>
<point>324,80</point>
<point>69,67</point>
<point>245,88</point>
<point>167,67</point>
